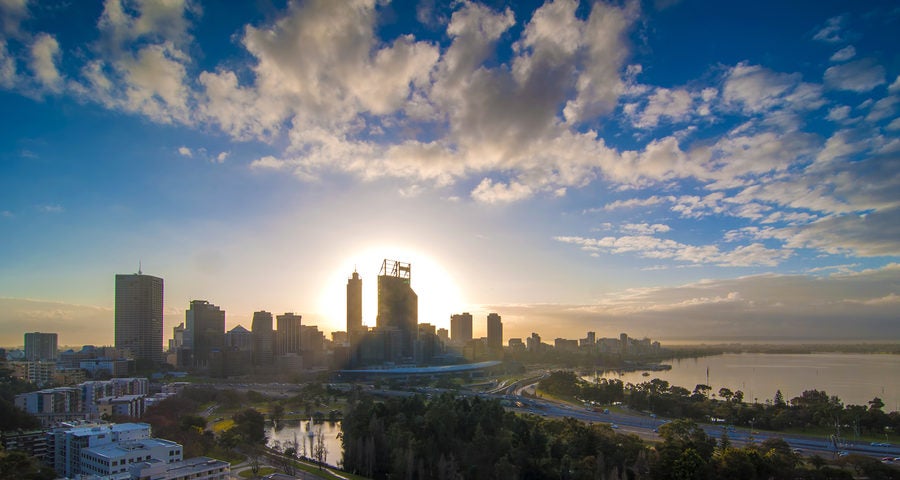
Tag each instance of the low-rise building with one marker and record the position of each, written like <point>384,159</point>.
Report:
<point>119,457</point>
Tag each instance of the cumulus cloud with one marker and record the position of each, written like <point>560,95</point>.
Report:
<point>185,151</point>
<point>858,76</point>
<point>140,61</point>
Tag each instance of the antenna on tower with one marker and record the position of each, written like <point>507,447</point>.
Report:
<point>139,267</point>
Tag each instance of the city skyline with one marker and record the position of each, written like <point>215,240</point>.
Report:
<point>656,167</point>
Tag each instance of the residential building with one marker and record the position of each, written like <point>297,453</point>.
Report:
<point>139,316</point>
<point>461,328</point>
<point>41,347</point>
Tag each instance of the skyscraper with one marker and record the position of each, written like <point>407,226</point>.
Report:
<point>41,347</point>
<point>204,331</point>
<point>263,338</point>
<point>398,304</point>
<point>139,316</point>
<point>287,339</point>
<point>461,328</point>
<point>354,304</point>
<point>495,332</point>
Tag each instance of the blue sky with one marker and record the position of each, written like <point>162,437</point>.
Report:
<point>678,169</point>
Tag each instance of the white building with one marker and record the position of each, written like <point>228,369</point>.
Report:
<point>197,468</point>
<point>68,443</point>
<point>114,458</point>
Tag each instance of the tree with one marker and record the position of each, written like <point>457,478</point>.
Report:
<point>779,399</point>
<point>320,452</point>
<point>876,404</point>
<point>249,427</point>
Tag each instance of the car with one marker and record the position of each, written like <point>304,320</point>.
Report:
<point>843,454</point>
<point>614,426</point>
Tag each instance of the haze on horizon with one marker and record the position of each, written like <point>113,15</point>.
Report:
<point>672,169</point>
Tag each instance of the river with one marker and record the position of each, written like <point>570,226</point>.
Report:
<point>854,378</point>
<point>286,435</point>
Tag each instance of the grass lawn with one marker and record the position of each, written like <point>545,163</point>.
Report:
<point>221,426</point>
<point>262,471</point>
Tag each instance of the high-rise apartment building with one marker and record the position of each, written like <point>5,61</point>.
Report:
<point>495,332</point>
<point>139,316</point>
<point>287,338</point>
<point>398,304</point>
<point>263,338</point>
<point>461,328</point>
<point>204,331</point>
<point>41,347</point>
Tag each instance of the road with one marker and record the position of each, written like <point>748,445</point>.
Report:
<point>645,427</point>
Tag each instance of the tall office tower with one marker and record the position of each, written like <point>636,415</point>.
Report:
<point>263,338</point>
<point>398,304</point>
<point>204,331</point>
<point>41,347</point>
<point>287,339</point>
<point>495,332</point>
<point>139,316</point>
<point>354,304</point>
<point>461,328</point>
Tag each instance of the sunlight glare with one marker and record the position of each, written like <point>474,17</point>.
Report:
<point>439,296</point>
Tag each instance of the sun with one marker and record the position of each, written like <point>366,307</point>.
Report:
<point>439,295</point>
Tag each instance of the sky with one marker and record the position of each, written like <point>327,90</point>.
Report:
<point>672,169</point>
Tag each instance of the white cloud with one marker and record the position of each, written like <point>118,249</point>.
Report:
<point>634,202</point>
<point>871,235</point>
<point>655,248</point>
<point>140,62</point>
<point>268,162</point>
<point>44,57</point>
<point>844,54</point>
<point>12,12</point>
<point>839,113</point>
<point>831,32</point>
<point>644,228</point>
<point>185,151</point>
<point>894,125</point>
<point>665,103</point>
<point>858,76</point>
<point>883,108</point>
<point>222,156</point>
<point>755,89</point>
<point>599,84</point>
<point>895,87</point>
<point>51,208</point>
<point>489,192</point>
<point>7,67</point>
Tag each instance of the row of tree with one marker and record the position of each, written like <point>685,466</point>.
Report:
<point>454,438</point>
<point>812,409</point>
